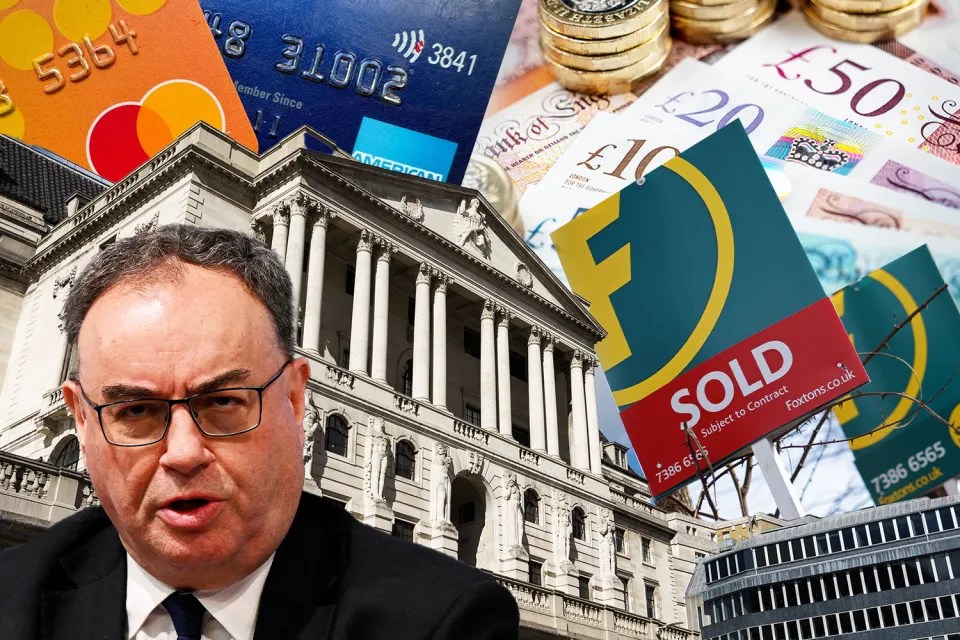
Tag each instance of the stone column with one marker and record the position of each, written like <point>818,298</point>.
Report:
<point>421,336</point>
<point>381,313</point>
<point>550,398</point>
<point>593,420</point>
<point>360,322</point>
<point>315,264</point>
<point>281,226</point>
<point>538,438</point>
<point>580,449</point>
<point>440,342</point>
<point>296,242</point>
<point>488,373</point>
<point>505,411</point>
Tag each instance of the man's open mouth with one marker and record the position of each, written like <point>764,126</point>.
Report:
<point>183,506</point>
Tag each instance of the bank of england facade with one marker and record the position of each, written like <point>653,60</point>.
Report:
<point>451,400</point>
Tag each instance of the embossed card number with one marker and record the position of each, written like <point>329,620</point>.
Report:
<point>6,102</point>
<point>80,55</point>
<point>368,76</point>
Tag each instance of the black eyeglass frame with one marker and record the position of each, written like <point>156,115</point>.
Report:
<point>186,401</point>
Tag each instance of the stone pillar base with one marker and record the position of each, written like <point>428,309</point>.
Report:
<point>378,515</point>
<point>516,563</point>
<point>563,578</point>
<point>443,537</point>
<point>310,486</point>
<point>609,591</point>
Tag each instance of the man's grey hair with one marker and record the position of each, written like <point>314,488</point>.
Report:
<point>158,255</point>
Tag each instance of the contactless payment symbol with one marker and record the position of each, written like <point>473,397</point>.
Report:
<point>126,135</point>
<point>410,45</point>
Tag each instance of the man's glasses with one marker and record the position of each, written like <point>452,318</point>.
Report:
<point>218,413</point>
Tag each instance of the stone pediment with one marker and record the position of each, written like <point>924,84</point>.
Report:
<point>464,218</point>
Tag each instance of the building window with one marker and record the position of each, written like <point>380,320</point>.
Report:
<point>472,415</point>
<point>583,582</point>
<point>68,457</point>
<point>645,550</point>
<point>336,437</point>
<point>626,593</point>
<point>466,513</point>
<point>406,378</point>
<point>403,530</point>
<point>521,435</point>
<point>535,570</point>
<point>619,536</point>
<point>579,520</point>
<point>471,342</point>
<point>406,460</point>
<point>518,366</point>
<point>349,280</point>
<point>531,506</point>
<point>650,597</point>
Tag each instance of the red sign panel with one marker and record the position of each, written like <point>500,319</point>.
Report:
<point>777,376</point>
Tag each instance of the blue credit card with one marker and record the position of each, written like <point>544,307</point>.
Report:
<point>401,84</point>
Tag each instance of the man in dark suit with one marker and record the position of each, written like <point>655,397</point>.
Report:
<point>189,403</point>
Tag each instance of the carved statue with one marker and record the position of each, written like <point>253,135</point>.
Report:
<point>470,225</point>
<point>562,531</point>
<point>608,544</point>
<point>311,421</point>
<point>513,513</point>
<point>378,446</point>
<point>412,207</point>
<point>440,476</point>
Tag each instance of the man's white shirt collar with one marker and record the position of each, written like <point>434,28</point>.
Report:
<point>234,608</point>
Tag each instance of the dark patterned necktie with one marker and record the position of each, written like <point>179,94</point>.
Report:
<point>187,614</point>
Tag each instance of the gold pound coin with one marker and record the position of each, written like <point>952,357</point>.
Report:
<point>613,81</point>
<point>605,62</point>
<point>699,35</point>
<point>862,37</point>
<point>696,11</point>
<point>598,19</point>
<point>607,45</point>
<point>488,177</point>
<point>705,3</point>
<point>864,6</point>
<point>910,13</point>
<point>738,23</point>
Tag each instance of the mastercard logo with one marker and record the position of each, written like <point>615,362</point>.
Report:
<point>128,134</point>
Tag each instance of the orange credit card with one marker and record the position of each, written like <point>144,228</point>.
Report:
<point>109,83</point>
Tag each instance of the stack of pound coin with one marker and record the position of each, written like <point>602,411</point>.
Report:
<point>864,21</point>
<point>719,21</point>
<point>493,183</point>
<point>604,46</point>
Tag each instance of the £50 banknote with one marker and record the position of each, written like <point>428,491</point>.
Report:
<point>695,99</point>
<point>858,82</point>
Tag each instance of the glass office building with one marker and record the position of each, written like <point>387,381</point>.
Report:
<point>884,573</point>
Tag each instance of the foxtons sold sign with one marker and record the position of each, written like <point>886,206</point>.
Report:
<point>904,449</point>
<point>718,329</point>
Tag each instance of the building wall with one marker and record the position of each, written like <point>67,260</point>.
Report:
<point>11,301</point>
<point>887,572</point>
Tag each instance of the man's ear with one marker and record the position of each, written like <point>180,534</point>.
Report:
<point>75,406</point>
<point>299,374</point>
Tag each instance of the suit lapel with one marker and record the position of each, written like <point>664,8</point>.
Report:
<point>299,596</point>
<point>93,608</point>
